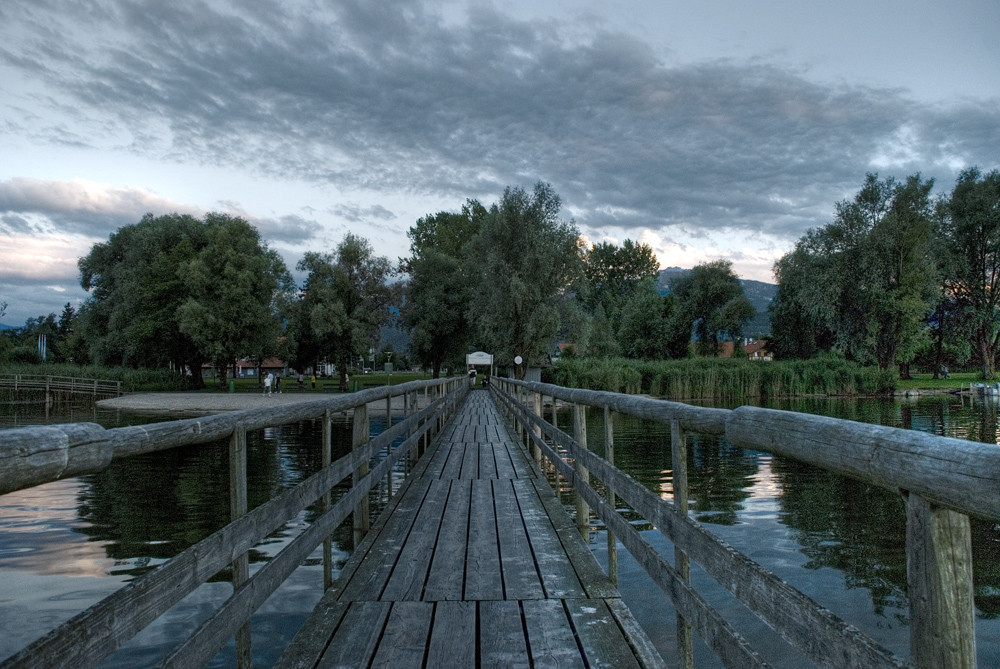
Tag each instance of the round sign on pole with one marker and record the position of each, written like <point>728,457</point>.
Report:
<point>518,360</point>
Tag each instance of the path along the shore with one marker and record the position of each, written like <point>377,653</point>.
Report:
<point>209,403</point>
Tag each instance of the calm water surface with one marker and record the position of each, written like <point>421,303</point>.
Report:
<point>66,545</point>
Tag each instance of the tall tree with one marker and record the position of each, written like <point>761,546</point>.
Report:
<point>344,298</point>
<point>136,286</point>
<point>866,279</point>
<point>525,259</point>
<point>710,299</point>
<point>613,273</point>
<point>971,227</point>
<point>439,288</point>
<point>233,285</point>
<point>644,321</point>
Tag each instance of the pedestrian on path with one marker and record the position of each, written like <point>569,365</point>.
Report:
<point>267,383</point>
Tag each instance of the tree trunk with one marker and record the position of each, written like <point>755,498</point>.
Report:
<point>437,369</point>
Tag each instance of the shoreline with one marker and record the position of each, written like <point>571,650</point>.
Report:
<point>203,403</point>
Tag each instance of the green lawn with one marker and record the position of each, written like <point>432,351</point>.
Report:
<point>955,381</point>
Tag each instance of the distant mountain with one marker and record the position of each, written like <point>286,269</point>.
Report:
<point>8,327</point>
<point>759,293</point>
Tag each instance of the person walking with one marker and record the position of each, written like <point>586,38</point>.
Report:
<point>267,383</point>
<point>277,384</point>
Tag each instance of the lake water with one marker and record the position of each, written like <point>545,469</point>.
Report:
<point>66,545</point>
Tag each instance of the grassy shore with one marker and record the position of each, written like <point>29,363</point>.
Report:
<point>955,381</point>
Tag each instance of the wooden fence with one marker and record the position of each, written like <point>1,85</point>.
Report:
<point>943,481</point>
<point>54,385</point>
<point>34,455</point>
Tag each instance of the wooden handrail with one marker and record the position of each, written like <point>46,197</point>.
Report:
<point>94,634</point>
<point>65,384</point>
<point>943,479</point>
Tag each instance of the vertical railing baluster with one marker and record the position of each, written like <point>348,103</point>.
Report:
<point>388,446</point>
<point>682,563</point>
<point>582,475</point>
<point>360,440</point>
<point>609,455</point>
<point>939,584</point>
<point>237,508</point>
<point>325,506</point>
<point>537,397</point>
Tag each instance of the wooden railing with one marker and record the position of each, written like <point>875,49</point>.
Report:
<point>943,481</point>
<point>34,455</point>
<point>61,384</point>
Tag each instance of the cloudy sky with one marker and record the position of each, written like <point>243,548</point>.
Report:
<point>715,129</point>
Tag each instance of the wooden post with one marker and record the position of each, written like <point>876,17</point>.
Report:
<point>582,475</point>
<point>609,455</point>
<point>678,455</point>
<point>360,439</point>
<point>388,446</point>
<point>538,430</point>
<point>939,580</point>
<point>325,506</point>
<point>237,508</point>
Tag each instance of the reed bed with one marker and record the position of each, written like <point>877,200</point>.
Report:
<point>725,379</point>
<point>133,380</point>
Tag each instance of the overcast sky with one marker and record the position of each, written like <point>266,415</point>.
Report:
<point>715,129</point>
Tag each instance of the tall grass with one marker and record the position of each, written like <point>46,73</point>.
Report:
<point>714,378</point>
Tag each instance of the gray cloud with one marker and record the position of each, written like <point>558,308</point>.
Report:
<point>391,97</point>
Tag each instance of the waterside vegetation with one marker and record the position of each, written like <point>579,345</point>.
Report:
<point>724,378</point>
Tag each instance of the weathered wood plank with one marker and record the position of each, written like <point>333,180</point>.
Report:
<point>470,463</point>
<point>501,635</point>
<point>521,579</point>
<point>453,635</point>
<point>601,638</point>
<point>410,571</point>
<point>487,462</point>
<point>550,635</point>
<point>314,636</point>
<point>404,640</point>
<point>483,576</point>
<point>357,637</point>
<point>446,580</point>
<point>559,579</point>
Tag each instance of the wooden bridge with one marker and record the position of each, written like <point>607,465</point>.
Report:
<point>474,562</point>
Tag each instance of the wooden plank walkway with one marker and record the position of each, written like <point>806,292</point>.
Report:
<point>474,564</point>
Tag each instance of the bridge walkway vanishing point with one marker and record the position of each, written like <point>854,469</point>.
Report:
<point>475,563</point>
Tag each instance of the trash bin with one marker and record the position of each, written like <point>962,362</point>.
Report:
<point>232,386</point>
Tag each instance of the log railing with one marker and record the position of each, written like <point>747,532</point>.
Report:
<point>61,384</point>
<point>34,455</point>
<point>943,480</point>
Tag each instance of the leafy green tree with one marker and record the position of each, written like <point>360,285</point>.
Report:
<point>602,341</point>
<point>710,299</point>
<point>796,329</point>
<point>344,298</point>
<point>439,288</point>
<point>233,285</point>
<point>644,321</point>
<point>865,280</point>
<point>136,286</point>
<point>526,259</point>
<point>613,273</point>
<point>971,228</point>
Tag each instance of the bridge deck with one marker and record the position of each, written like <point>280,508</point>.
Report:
<point>476,565</point>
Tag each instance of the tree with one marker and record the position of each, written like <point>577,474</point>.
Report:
<point>136,285</point>
<point>343,299</point>
<point>864,281</point>
<point>526,258</point>
<point>710,299</point>
<point>971,226</point>
<point>643,331</point>
<point>613,273</point>
<point>233,285</point>
<point>602,342</point>
<point>439,288</point>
